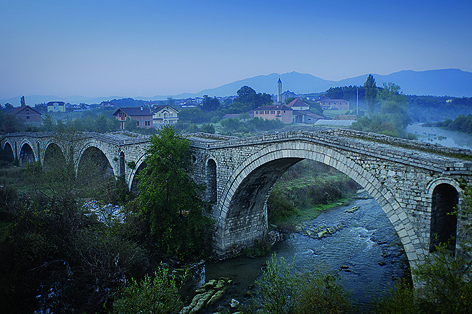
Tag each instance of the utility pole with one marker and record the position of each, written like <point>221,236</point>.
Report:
<point>357,101</point>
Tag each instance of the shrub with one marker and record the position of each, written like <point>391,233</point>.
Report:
<point>157,295</point>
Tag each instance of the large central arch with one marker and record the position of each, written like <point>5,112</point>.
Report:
<point>242,214</point>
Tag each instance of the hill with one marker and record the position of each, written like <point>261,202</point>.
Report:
<point>445,82</point>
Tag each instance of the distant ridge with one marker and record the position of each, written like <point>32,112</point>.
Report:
<point>445,82</point>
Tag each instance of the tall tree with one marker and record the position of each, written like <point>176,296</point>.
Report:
<point>370,93</point>
<point>210,103</point>
<point>169,200</point>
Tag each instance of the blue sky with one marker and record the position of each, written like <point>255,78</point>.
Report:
<point>151,47</point>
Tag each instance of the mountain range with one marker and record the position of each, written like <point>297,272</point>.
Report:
<point>445,82</point>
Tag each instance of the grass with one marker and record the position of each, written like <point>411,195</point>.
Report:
<point>308,214</point>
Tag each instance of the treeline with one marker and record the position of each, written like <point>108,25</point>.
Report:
<point>306,185</point>
<point>462,124</point>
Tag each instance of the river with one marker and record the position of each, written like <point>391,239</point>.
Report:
<point>366,252</point>
<point>440,136</point>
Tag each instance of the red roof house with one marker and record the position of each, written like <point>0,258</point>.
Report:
<point>27,114</point>
<point>142,116</point>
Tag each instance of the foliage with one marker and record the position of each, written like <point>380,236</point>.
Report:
<point>431,108</point>
<point>9,123</point>
<point>305,185</point>
<point>248,100</point>
<point>169,200</point>
<point>89,122</point>
<point>56,259</point>
<point>234,125</point>
<point>392,118</point>
<point>210,103</point>
<point>462,124</point>
<point>349,93</point>
<point>277,288</point>
<point>195,115</point>
<point>446,282</point>
<point>208,128</point>
<point>370,93</point>
<point>398,300</point>
<point>280,291</point>
<point>321,293</point>
<point>157,295</point>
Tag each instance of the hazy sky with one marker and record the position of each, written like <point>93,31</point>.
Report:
<point>152,47</point>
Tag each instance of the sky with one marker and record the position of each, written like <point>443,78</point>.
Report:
<point>144,48</point>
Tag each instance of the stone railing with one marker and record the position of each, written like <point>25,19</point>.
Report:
<point>434,157</point>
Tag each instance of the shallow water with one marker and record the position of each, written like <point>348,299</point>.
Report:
<point>366,241</point>
<point>435,135</point>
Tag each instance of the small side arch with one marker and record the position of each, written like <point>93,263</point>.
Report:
<point>9,154</point>
<point>445,202</point>
<point>27,154</point>
<point>211,178</point>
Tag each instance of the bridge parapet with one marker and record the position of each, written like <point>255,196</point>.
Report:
<point>415,153</point>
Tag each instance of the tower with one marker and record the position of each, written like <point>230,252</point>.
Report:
<point>279,90</point>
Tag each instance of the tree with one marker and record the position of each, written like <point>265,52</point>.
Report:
<point>370,93</point>
<point>170,101</point>
<point>248,99</point>
<point>210,103</point>
<point>47,123</point>
<point>23,102</point>
<point>169,200</point>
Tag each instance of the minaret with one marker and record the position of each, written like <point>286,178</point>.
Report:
<point>279,91</point>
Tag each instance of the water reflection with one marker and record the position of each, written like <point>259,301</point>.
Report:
<point>440,136</point>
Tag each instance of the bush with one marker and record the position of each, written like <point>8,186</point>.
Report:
<point>157,295</point>
<point>280,291</point>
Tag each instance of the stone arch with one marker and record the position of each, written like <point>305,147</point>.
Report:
<point>27,153</point>
<point>122,164</point>
<point>53,156</point>
<point>280,158</point>
<point>9,154</point>
<point>132,180</point>
<point>82,151</point>
<point>444,194</point>
<point>92,164</point>
<point>211,178</point>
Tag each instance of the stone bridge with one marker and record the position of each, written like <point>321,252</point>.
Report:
<point>416,184</point>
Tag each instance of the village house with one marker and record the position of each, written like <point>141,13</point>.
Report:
<point>27,114</point>
<point>333,104</point>
<point>142,116</point>
<point>56,106</point>
<point>274,112</point>
<point>164,115</point>
<point>297,104</point>
<point>305,116</point>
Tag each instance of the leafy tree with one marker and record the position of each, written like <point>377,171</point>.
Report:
<point>47,123</point>
<point>169,200</point>
<point>9,123</point>
<point>370,93</point>
<point>8,107</point>
<point>248,99</point>
<point>22,101</point>
<point>210,103</point>
<point>170,102</point>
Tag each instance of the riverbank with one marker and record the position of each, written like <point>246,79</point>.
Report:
<point>366,253</point>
